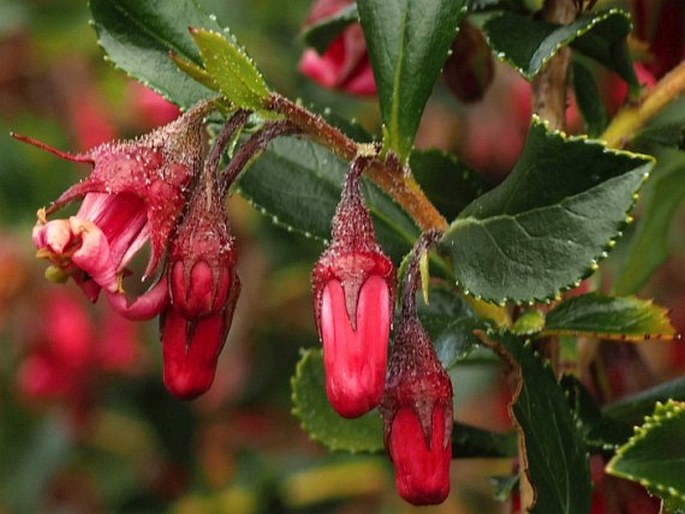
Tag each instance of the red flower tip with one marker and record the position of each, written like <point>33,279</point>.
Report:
<point>191,348</point>
<point>354,290</point>
<point>421,468</point>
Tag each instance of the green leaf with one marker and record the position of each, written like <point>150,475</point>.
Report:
<point>473,442</point>
<point>601,433</point>
<point>655,455</point>
<point>322,33</point>
<point>449,322</point>
<point>605,317</point>
<point>320,421</point>
<point>447,183</point>
<point>408,43</point>
<point>634,408</point>
<point>648,247</point>
<point>555,453</point>
<point>298,184</point>
<point>528,44</point>
<point>588,100</point>
<point>138,36</point>
<point>549,223</point>
<point>231,69</point>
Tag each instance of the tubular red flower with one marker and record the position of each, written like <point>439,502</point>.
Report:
<point>203,286</point>
<point>354,289</point>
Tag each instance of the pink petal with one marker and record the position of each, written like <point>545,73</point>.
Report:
<point>94,256</point>
<point>145,306</point>
<point>355,361</point>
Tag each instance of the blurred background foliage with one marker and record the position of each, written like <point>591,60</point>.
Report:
<point>85,423</point>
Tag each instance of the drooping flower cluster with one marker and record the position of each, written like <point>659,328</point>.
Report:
<point>155,189</point>
<point>354,289</point>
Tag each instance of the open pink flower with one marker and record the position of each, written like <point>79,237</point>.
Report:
<point>345,64</point>
<point>135,193</point>
<point>354,287</point>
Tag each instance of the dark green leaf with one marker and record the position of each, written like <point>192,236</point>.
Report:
<point>605,317</point>
<point>229,67</point>
<point>470,442</point>
<point>450,322</point>
<point>449,185</point>
<point>633,409</point>
<point>554,449</point>
<point>322,33</point>
<point>408,43</point>
<point>588,100</point>
<point>138,37</point>
<point>601,433</point>
<point>298,184</point>
<point>648,247</point>
<point>547,225</point>
<point>655,455</point>
<point>320,421</point>
<point>527,43</point>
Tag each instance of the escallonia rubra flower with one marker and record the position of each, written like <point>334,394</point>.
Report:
<point>203,286</point>
<point>354,290</point>
<point>417,404</point>
<point>135,193</point>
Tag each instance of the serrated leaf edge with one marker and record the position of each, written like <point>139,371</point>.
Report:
<point>600,18</point>
<point>662,411</point>
<point>594,263</point>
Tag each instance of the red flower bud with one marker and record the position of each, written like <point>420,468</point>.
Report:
<point>354,289</point>
<point>204,289</point>
<point>469,70</point>
<point>417,404</point>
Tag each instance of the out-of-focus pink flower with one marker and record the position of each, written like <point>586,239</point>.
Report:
<point>353,284</point>
<point>345,64</point>
<point>495,129</point>
<point>151,108</point>
<point>135,193</point>
<point>662,25</point>
<point>63,349</point>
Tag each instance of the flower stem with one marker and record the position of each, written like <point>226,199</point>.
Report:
<point>549,87</point>
<point>387,173</point>
<point>632,117</point>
